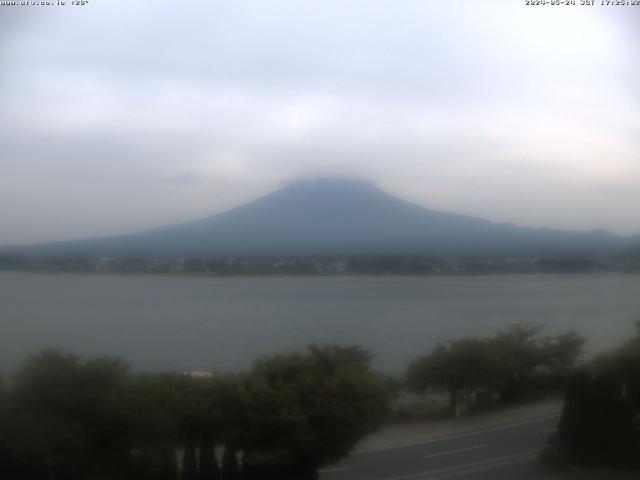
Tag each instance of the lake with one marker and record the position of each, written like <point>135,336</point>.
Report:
<point>197,323</point>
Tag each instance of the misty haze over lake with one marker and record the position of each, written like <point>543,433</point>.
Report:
<point>191,323</point>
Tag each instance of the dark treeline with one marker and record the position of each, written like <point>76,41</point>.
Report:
<point>600,424</point>
<point>358,265</point>
<point>477,372</point>
<point>65,418</point>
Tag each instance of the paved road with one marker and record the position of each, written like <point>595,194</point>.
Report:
<point>504,452</point>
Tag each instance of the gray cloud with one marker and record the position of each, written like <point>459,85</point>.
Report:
<point>121,116</point>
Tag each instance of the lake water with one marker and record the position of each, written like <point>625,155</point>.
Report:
<point>193,323</point>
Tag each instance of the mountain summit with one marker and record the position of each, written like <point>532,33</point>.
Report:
<point>337,216</point>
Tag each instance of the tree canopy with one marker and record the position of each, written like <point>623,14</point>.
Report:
<point>67,418</point>
<point>600,424</point>
<point>501,366</point>
<point>309,409</point>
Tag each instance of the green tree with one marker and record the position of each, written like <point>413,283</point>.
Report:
<point>305,410</point>
<point>599,424</point>
<point>208,468</point>
<point>190,462</point>
<point>519,353</point>
<point>66,418</point>
<point>69,414</point>
<point>165,417</point>
<point>628,354</point>
<point>562,352</point>
<point>230,467</point>
<point>462,368</point>
<point>522,354</point>
<point>7,460</point>
<point>501,366</point>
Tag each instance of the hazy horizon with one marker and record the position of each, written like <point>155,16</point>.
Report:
<point>341,182</point>
<point>119,118</point>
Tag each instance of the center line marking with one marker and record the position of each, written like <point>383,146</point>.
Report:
<point>460,450</point>
<point>447,472</point>
<point>508,426</point>
<point>336,469</point>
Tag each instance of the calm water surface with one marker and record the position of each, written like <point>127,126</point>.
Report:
<point>189,323</point>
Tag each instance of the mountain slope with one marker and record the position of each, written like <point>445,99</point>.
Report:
<point>337,216</point>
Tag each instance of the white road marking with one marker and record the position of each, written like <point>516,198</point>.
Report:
<point>459,435</point>
<point>459,450</point>
<point>468,468</point>
<point>483,468</point>
<point>493,465</point>
<point>336,469</point>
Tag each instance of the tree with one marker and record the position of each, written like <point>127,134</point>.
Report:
<point>627,356</point>
<point>208,468</point>
<point>522,353</point>
<point>230,467</point>
<point>66,418</point>
<point>69,415</point>
<point>171,414</point>
<point>305,410</point>
<point>501,366</point>
<point>562,352</point>
<point>460,367</point>
<point>600,419</point>
<point>519,354</point>
<point>190,462</point>
<point>7,459</point>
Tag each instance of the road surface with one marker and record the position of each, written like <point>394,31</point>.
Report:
<point>506,451</point>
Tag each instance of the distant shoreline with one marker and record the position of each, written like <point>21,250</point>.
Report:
<point>318,265</point>
<point>314,275</point>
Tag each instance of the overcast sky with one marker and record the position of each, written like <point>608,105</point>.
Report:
<point>120,116</point>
